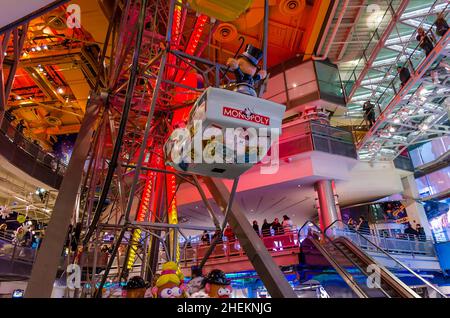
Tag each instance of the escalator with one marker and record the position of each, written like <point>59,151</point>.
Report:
<point>364,276</point>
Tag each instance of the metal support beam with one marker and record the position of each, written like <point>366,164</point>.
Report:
<point>48,258</point>
<point>269,272</point>
<point>373,55</point>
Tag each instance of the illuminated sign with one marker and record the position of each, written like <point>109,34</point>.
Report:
<point>246,115</point>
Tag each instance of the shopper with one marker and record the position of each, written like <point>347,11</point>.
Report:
<point>20,126</point>
<point>265,228</point>
<point>421,232</point>
<point>441,24</point>
<point>287,224</point>
<point>425,42</point>
<point>369,113</point>
<point>229,234</point>
<point>410,233</point>
<point>351,224</point>
<point>206,240</point>
<point>403,74</point>
<point>277,227</point>
<point>363,226</point>
<point>256,227</point>
<point>218,235</point>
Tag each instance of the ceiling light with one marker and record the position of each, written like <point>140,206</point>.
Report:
<point>60,90</point>
<point>33,49</point>
<point>392,129</point>
<point>423,127</point>
<point>45,47</point>
<point>397,120</point>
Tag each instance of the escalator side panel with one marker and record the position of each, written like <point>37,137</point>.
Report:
<point>389,282</point>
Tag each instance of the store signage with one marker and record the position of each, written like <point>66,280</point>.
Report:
<point>246,115</point>
<point>402,220</point>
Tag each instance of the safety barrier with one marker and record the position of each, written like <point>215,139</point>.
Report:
<point>407,245</point>
<point>225,251</point>
<point>29,157</point>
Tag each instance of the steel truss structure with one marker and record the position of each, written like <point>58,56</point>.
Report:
<point>408,113</point>
<point>117,178</point>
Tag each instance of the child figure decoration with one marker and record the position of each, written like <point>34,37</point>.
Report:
<point>217,285</point>
<point>245,69</point>
<point>170,283</point>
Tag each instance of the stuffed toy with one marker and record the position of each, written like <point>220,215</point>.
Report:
<point>246,71</point>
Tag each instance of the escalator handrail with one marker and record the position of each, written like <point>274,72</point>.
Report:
<point>343,270</point>
<point>399,286</point>
<point>344,274</point>
<point>389,256</point>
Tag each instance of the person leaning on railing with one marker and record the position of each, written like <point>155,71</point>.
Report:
<point>265,228</point>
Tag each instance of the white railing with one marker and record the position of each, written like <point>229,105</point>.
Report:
<point>412,246</point>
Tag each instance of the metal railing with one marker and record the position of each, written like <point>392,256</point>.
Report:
<point>311,135</point>
<point>20,151</point>
<point>364,238</point>
<point>391,245</point>
<point>193,253</point>
<point>13,252</point>
<point>367,51</point>
<point>395,86</point>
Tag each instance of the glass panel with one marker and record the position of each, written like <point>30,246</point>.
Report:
<point>329,80</point>
<point>275,86</point>
<point>434,183</point>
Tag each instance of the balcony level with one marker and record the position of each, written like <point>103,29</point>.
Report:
<point>27,159</point>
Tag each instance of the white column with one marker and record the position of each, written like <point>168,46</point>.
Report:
<point>416,212</point>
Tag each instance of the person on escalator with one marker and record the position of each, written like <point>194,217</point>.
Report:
<point>369,112</point>
<point>403,74</point>
<point>425,41</point>
<point>441,24</point>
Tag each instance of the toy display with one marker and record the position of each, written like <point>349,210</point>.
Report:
<point>170,282</point>
<point>217,285</point>
<point>136,287</point>
<point>227,134</point>
<point>246,70</point>
<point>195,287</point>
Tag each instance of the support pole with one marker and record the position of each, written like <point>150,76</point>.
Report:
<point>48,258</point>
<point>328,213</point>
<point>269,272</point>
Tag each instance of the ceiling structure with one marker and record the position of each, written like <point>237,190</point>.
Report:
<point>18,194</point>
<point>374,37</point>
<point>55,73</point>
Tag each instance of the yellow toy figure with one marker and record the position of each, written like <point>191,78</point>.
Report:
<point>217,285</point>
<point>245,69</point>
<point>170,283</point>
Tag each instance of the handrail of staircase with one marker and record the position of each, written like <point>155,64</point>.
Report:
<point>417,48</point>
<point>348,278</point>
<point>388,255</point>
